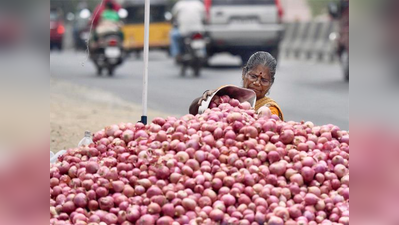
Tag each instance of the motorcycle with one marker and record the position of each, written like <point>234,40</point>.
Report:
<point>108,53</point>
<point>194,53</point>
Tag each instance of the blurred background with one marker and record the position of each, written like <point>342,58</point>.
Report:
<point>309,38</point>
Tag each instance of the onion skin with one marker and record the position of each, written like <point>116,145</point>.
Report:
<point>216,215</point>
<point>310,199</point>
<point>68,207</point>
<point>297,178</point>
<point>80,200</point>
<point>106,203</point>
<point>189,204</point>
<point>278,168</point>
<point>274,220</point>
<point>286,136</point>
<point>154,208</point>
<point>132,215</point>
<point>165,220</point>
<point>307,174</point>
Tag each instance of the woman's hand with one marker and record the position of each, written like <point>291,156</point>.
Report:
<point>197,102</point>
<point>204,96</point>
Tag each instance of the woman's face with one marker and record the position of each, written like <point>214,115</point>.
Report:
<point>258,79</point>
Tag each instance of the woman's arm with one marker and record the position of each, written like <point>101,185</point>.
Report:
<point>194,106</point>
<point>197,102</point>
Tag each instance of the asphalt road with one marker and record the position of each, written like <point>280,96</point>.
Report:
<point>304,90</point>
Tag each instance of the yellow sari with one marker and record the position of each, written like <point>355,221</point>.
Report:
<point>273,106</point>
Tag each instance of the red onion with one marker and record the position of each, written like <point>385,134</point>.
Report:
<point>228,199</point>
<point>286,136</point>
<point>79,217</point>
<point>216,215</point>
<point>168,209</point>
<point>159,199</point>
<point>118,186</point>
<point>297,178</point>
<point>128,191</point>
<point>146,183</point>
<point>165,220</point>
<point>60,200</point>
<point>277,168</point>
<point>106,203</point>
<point>154,208</point>
<point>189,204</point>
<point>68,207</point>
<point>182,157</point>
<point>132,214</point>
<point>274,220</point>
<point>80,200</point>
<point>307,174</point>
<point>340,170</point>
<point>179,210</point>
<point>310,199</point>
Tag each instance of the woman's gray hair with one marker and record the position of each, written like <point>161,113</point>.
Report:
<point>261,58</point>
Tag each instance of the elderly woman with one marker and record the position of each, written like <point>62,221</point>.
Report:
<point>257,75</point>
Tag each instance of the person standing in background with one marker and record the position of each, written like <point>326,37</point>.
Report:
<point>188,17</point>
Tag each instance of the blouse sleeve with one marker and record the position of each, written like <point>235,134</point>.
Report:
<point>274,111</point>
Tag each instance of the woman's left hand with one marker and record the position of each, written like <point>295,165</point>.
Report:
<point>204,96</point>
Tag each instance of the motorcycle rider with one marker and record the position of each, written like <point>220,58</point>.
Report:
<point>109,14</point>
<point>109,22</point>
<point>99,10</point>
<point>188,17</point>
<point>108,25</point>
<point>99,21</point>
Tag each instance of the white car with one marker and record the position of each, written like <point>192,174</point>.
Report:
<point>242,27</point>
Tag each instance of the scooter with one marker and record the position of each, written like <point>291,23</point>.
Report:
<point>194,53</point>
<point>108,53</point>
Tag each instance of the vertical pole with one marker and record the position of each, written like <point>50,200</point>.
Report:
<point>146,46</point>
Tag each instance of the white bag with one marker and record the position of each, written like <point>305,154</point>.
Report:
<point>54,157</point>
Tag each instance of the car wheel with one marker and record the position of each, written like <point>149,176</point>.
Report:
<point>345,64</point>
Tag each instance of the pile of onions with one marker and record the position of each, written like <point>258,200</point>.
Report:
<point>225,166</point>
<point>217,100</point>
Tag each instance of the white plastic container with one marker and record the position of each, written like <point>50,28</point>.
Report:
<point>86,141</point>
<point>54,157</point>
<point>241,94</point>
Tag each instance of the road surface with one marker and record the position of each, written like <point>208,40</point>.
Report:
<point>304,90</point>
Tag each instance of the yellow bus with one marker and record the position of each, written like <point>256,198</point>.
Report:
<point>160,25</point>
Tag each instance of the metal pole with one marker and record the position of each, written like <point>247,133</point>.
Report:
<point>146,46</point>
